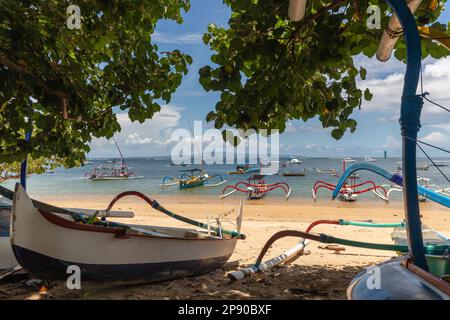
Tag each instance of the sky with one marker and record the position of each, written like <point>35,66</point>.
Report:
<point>377,129</point>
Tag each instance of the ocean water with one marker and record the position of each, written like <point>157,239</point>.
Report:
<point>71,182</point>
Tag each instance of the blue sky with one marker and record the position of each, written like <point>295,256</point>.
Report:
<point>377,121</point>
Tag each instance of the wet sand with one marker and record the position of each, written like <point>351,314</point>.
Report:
<point>323,274</point>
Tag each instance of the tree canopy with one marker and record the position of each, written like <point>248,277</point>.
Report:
<point>63,83</point>
<point>34,166</point>
<point>269,69</point>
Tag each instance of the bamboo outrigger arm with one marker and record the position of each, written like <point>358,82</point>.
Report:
<point>390,35</point>
<point>437,35</point>
<point>155,205</point>
<point>297,9</point>
<point>394,178</point>
<point>392,32</point>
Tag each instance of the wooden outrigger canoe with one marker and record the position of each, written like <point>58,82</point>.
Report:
<point>47,243</point>
<point>7,259</point>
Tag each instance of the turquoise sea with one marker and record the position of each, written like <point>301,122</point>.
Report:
<point>70,182</point>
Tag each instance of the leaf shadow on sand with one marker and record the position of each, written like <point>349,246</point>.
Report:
<point>287,282</point>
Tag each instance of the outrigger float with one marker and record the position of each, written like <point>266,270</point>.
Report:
<point>422,270</point>
<point>349,191</point>
<point>255,187</point>
<point>192,178</point>
<point>46,240</point>
<point>423,182</point>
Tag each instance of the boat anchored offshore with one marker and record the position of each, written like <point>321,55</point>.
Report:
<point>293,174</point>
<point>115,170</point>
<point>245,169</point>
<point>422,182</point>
<point>420,168</point>
<point>46,243</point>
<point>349,191</point>
<point>192,178</point>
<point>256,187</point>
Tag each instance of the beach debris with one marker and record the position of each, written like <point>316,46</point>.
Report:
<point>230,265</point>
<point>332,247</point>
<point>41,295</point>
<point>10,271</point>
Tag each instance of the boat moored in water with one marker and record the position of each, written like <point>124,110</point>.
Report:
<point>255,188</point>
<point>192,178</point>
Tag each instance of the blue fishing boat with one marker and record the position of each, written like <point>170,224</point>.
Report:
<point>192,178</point>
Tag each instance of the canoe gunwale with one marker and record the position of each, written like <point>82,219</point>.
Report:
<point>120,233</point>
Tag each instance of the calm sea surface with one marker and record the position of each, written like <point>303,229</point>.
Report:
<point>69,182</point>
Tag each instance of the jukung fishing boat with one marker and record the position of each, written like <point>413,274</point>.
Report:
<point>192,178</point>
<point>47,241</point>
<point>243,169</point>
<point>116,170</point>
<point>256,187</point>
<point>412,275</point>
<point>349,191</point>
<point>293,174</point>
<point>422,182</point>
<point>425,167</point>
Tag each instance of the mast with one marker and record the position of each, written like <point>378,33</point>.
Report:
<point>411,107</point>
<point>196,146</point>
<point>120,152</point>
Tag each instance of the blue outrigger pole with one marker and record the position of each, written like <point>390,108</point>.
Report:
<point>394,178</point>
<point>23,166</point>
<point>411,108</point>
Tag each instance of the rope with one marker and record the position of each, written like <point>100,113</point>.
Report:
<point>427,144</point>
<point>393,33</point>
<point>435,103</point>
<point>434,164</point>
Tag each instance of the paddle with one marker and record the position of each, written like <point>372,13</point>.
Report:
<point>76,214</point>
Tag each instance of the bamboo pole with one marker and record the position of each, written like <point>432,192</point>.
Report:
<point>286,257</point>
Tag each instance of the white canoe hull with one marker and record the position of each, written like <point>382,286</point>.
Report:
<point>46,244</point>
<point>7,259</point>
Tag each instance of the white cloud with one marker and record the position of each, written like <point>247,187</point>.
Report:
<point>392,143</point>
<point>387,89</point>
<point>290,128</point>
<point>136,139</point>
<point>436,138</point>
<point>179,38</point>
<point>443,126</point>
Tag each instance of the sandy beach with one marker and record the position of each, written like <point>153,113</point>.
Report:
<point>323,274</point>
